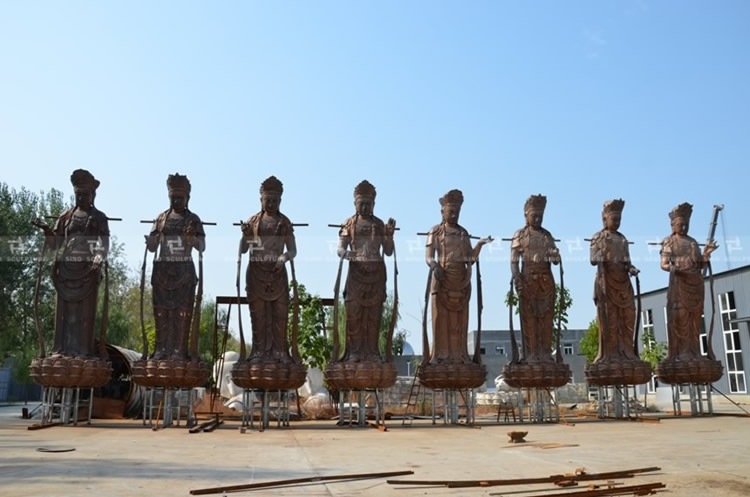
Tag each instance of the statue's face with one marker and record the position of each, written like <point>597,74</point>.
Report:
<point>364,205</point>
<point>612,221</point>
<point>84,197</point>
<point>534,218</point>
<point>270,202</point>
<point>178,201</point>
<point>451,213</point>
<point>680,226</point>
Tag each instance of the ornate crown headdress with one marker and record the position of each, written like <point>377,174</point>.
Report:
<point>272,185</point>
<point>364,189</point>
<point>615,205</point>
<point>81,178</point>
<point>683,211</point>
<point>453,197</point>
<point>178,183</point>
<point>535,203</point>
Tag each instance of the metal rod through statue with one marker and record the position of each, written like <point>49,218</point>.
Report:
<point>144,356</point>
<point>480,305</point>
<point>243,353</point>
<point>394,313</point>
<point>513,343</point>
<point>37,289</point>
<point>425,337</point>
<point>295,315</point>
<point>105,315</point>
<point>197,312</point>
<point>336,289</point>
<point>637,328</point>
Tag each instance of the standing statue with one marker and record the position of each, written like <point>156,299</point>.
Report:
<point>269,236</point>
<point>450,256</point>
<point>80,242</point>
<point>681,256</point>
<point>533,280</point>
<point>617,362</point>
<point>174,235</point>
<point>364,239</point>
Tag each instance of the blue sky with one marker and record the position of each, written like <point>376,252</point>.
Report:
<point>500,99</point>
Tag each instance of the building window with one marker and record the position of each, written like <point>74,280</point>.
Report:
<point>732,345</point>
<point>666,324</point>
<point>704,336</point>
<point>647,318</point>
<point>567,349</point>
<point>500,349</point>
<point>482,350</point>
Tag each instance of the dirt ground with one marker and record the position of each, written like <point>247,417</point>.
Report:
<point>699,456</point>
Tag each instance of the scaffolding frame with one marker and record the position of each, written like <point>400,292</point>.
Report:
<point>542,405</point>
<point>701,403</point>
<point>348,411</point>
<point>281,409</point>
<point>64,403</point>
<point>169,406</point>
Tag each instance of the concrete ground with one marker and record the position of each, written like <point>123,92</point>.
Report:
<point>698,456</point>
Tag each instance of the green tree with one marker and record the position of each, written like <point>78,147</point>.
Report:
<point>314,345</point>
<point>653,352</point>
<point>590,341</point>
<point>20,248</point>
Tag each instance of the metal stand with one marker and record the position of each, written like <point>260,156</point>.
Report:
<point>452,407</point>
<point>618,401</point>
<point>359,409</point>
<point>276,401</point>
<point>699,397</point>
<point>65,403</point>
<point>542,405</point>
<point>167,404</point>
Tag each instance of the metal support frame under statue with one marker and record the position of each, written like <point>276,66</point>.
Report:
<point>701,403</point>
<point>542,405</point>
<point>452,407</point>
<point>618,401</point>
<point>281,408</point>
<point>64,404</point>
<point>167,404</point>
<point>348,412</point>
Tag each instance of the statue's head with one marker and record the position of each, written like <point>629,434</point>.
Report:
<point>612,214</point>
<point>178,187</point>
<point>84,188</point>
<point>680,218</point>
<point>450,206</point>
<point>270,195</point>
<point>533,210</point>
<point>364,198</point>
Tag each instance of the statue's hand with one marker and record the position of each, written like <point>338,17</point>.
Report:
<point>39,223</point>
<point>438,272</point>
<point>247,230</point>
<point>634,270</point>
<point>189,236</point>
<point>519,282</point>
<point>350,255</point>
<point>554,256</point>
<point>280,262</point>
<point>709,248</point>
<point>97,262</point>
<point>485,241</point>
<point>390,227</point>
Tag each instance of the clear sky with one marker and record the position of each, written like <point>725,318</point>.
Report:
<point>582,101</point>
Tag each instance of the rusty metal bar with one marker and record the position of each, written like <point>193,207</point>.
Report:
<point>526,481</point>
<point>294,481</point>
<point>644,489</point>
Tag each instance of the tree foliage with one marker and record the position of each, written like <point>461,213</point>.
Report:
<point>590,342</point>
